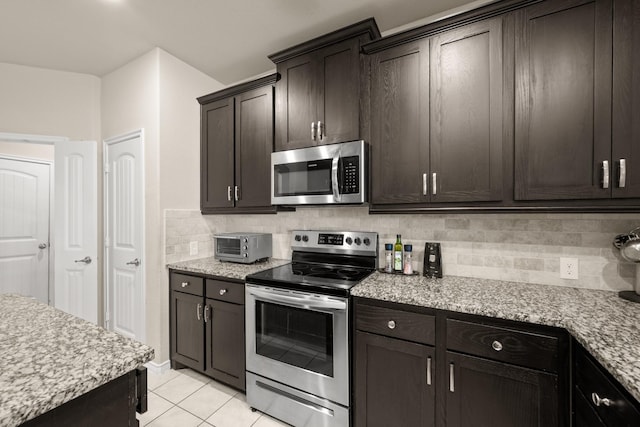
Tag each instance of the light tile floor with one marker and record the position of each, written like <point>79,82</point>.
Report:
<point>184,398</point>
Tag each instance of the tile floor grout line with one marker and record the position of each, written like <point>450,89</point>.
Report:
<point>161,414</point>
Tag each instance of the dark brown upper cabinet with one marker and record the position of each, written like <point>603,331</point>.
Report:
<point>436,118</point>
<point>236,144</point>
<point>563,101</point>
<point>626,99</point>
<point>318,95</point>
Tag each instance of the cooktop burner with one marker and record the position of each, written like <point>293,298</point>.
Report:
<point>329,272</point>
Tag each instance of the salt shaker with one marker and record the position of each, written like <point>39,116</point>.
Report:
<point>388,258</point>
<point>408,267</point>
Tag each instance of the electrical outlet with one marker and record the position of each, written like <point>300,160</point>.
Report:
<point>569,268</point>
<point>193,248</point>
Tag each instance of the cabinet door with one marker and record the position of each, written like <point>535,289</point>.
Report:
<point>254,144</point>
<point>466,114</point>
<point>339,96</point>
<point>216,157</point>
<point>187,330</point>
<point>626,99</point>
<point>485,393</point>
<point>400,123</point>
<point>225,355</point>
<point>296,102</point>
<point>394,381</point>
<point>563,100</point>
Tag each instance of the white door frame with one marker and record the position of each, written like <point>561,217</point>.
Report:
<point>45,140</point>
<point>139,133</point>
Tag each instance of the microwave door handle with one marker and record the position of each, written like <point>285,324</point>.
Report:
<point>334,175</point>
<point>299,302</point>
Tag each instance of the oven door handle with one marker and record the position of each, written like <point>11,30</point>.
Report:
<point>299,302</point>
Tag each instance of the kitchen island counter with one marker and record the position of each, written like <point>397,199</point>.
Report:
<point>606,325</point>
<point>226,270</point>
<point>48,358</point>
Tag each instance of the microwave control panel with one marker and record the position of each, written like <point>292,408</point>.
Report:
<point>349,168</point>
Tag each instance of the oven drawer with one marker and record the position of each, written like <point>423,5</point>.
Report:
<point>506,345</point>
<point>187,284</point>
<point>225,291</point>
<point>396,323</point>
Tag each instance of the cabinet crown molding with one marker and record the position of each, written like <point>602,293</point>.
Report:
<point>239,88</point>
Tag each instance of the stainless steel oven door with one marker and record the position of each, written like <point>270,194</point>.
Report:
<point>299,339</point>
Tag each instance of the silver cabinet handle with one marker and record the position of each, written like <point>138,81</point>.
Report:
<point>428,370</point>
<point>452,387</point>
<point>223,291</point>
<point>434,182</point>
<point>228,193</point>
<point>198,309</point>
<point>320,131</point>
<point>496,345</point>
<point>597,400</point>
<point>42,246</point>
<point>135,262</point>
<point>605,174</point>
<point>313,131</point>
<point>206,313</point>
<point>391,324</point>
<point>622,178</point>
<point>424,184</point>
<point>184,284</point>
<point>86,260</point>
<point>235,192</point>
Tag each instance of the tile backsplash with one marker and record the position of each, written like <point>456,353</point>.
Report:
<point>516,247</point>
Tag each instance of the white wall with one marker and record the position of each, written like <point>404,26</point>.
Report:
<point>157,92</point>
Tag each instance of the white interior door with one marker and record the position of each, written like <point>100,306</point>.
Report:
<point>76,224</point>
<point>124,240</point>
<point>24,228</point>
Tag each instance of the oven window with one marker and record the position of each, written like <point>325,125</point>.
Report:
<point>303,178</point>
<point>228,246</point>
<point>295,336</point>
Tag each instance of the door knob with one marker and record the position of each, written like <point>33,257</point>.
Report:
<point>135,262</point>
<point>86,260</point>
<point>42,246</point>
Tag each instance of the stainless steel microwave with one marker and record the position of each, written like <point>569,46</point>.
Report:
<point>325,174</point>
<point>245,248</point>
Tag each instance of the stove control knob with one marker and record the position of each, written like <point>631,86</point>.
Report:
<point>298,238</point>
<point>366,241</point>
<point>305,238</point>
<point>245,255</point>
<point>349,240</point>
<point>358,241</point>
<point>244,248</point>
<point>245,240</point>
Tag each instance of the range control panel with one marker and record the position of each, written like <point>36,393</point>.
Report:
<point>335,241</point>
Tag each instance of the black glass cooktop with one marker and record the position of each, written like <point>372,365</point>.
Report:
<point>333,279</point>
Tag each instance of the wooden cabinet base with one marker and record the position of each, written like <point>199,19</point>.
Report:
<point>112,404</point>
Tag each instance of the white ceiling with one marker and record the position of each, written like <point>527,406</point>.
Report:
<point>226,39</point>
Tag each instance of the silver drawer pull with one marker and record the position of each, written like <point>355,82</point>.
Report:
<point>198,310</point>
<point>184,284</point>
<point>496,345</point>
<point>206,313</point>
<point>597,400</point>
<point>452,378</point>
<point>622,178</point>
<point>391,324</point>
<point>223,291</point>
<point>424,184</point>
<point>605,174</point>
<point>428,370</point>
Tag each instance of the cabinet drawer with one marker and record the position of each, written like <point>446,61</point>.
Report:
<point>225,291</point>
<point>590,378</point>
<point>506,345</point>
<point>188,284</point>
<point>396,323</point>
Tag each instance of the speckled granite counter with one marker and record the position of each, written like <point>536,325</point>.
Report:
<point>607,326</point>
<point>48,357</point>
<point>229,270</point>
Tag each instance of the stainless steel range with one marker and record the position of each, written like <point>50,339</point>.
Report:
<point>297,318</point>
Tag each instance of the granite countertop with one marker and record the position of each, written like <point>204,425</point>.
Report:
<point>606,325</point>
<point>230,270</point>
<point>48,357</point>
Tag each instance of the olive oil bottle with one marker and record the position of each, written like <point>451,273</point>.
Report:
<point>397,254</point>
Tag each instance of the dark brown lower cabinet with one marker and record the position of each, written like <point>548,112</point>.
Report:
<point>485,393</point>
<point>394,382</point>
<point>207,327</point>
<point>225,357</point>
